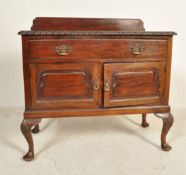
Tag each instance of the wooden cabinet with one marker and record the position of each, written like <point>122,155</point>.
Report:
<point>90,67</point>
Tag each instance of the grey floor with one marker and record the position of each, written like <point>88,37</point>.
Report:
<point>93,146</point>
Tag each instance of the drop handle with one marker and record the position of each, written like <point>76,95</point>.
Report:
<point>63,50</point>
<point>106,85</point>
<point>136,49</point>
<point>96,85</point>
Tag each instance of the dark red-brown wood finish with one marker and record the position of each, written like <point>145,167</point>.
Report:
<point>89,67</point>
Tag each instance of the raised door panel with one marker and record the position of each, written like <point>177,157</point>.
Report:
<point>56,86</point>
<point>133,84</point>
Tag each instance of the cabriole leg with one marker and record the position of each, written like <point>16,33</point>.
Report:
<point>167,124</point>
<point>144,123</point>
<point>26,127</point>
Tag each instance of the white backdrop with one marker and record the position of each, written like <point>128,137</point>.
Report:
<point>18,15</point>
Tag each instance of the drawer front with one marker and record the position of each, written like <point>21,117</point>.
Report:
<point>58,86</point>
<point>97,48</point>
<point>133,84</point>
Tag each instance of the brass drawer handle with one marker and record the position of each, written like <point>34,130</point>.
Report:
<point>96,85</point>
<point>63,50</point>
<point>107,85</point>
<point>136,49</point>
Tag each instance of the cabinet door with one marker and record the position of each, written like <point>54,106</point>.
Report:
<point>127,84</point>
<point>55,86</point>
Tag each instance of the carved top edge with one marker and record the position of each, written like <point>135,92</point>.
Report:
<point>97,33</point>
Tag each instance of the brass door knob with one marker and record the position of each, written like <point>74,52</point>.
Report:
<point>63,50</point>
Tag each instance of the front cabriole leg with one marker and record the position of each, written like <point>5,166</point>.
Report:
<point>167,124</point>
<point>26,127</point>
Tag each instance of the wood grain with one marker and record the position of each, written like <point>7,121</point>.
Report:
<point>102,67</point>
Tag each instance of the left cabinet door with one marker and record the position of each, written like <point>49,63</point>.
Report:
<point>65,86</point>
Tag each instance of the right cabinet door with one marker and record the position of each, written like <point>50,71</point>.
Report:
<point>129,84</point>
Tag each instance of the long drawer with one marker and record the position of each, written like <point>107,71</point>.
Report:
<point>97,48</point>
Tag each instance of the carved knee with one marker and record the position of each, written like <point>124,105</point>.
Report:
<point>26,126</point>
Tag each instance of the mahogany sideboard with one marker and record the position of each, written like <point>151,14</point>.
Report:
<point>94,67</point>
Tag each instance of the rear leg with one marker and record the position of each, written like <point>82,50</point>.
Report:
<point>144,123</point>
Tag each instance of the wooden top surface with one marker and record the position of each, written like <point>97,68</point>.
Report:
<point>88,26</point>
